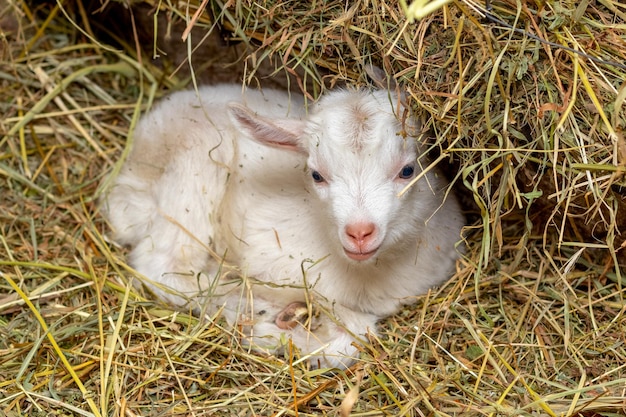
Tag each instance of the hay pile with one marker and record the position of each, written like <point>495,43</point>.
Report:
<point>525,100</point>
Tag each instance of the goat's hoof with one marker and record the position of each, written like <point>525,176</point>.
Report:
<point>292,315</point>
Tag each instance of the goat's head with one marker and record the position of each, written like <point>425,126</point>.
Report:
<point>360,156</point>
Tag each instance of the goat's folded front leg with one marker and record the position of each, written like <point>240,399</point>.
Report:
<point>326,336</point>
<point>295,314</point>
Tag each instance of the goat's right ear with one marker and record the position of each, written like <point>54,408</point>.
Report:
<point>279,133</point>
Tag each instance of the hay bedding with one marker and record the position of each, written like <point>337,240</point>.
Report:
<point>532,324</point>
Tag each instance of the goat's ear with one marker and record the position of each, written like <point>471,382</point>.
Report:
<point>279,133</point>
<point>380,78</point>
<point>386,82</point>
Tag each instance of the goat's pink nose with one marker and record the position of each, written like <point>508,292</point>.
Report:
<point>361,233</point>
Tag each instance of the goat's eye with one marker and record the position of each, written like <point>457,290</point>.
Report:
<point>317,177</point>
<point>407,172</point>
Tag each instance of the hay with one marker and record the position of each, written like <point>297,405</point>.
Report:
<point>527,100</point>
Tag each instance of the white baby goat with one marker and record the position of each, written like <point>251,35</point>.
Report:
<point>306,205</point>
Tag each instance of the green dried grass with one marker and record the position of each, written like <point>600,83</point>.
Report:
<point>533,323</point>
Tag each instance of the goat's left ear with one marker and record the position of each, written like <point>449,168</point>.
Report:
<point>280,133</point>
<point>385,81</point>
<point>380,78</point>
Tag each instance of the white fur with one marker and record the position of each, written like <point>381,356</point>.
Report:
<point>210,181</point>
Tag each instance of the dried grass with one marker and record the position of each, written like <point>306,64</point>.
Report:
<point>532,324</point>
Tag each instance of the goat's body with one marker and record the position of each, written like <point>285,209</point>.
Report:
<point>195,183</point>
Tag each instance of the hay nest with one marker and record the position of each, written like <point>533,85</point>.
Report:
<point>524,100</point>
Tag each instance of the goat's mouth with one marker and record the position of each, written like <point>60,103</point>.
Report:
<point>360,256</point>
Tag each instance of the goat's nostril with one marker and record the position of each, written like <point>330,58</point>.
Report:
<point>361,232</point>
